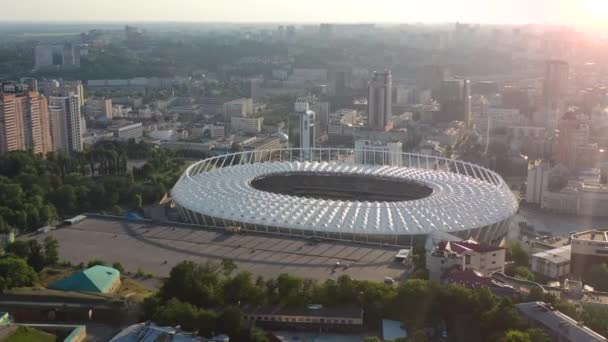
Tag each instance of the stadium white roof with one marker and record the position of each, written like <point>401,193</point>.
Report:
<point>458,202</point>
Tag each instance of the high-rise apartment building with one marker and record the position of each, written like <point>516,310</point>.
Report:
<point>301,126</point>
<point>379,102</point>
<point>24,122</point>
<point>63,88</point>
<point>56,55</point>
<point>573,134</point>
<point>555,85</point>
<point>66,122</point>
<point>11,124</point>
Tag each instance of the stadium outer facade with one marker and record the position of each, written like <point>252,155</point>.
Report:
<point>344,194</point>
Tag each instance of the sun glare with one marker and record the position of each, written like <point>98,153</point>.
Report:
<point>596,9</point>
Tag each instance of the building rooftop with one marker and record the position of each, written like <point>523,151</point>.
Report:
<point>148,332</point>
<point>309,311</point>
<point>464,246</point>
<point>557,255</point>
<point>591,235</point>
<point>558,323</point>
<point>95,279</point>
<point>392,330</point>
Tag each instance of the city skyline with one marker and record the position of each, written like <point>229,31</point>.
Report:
<point>581,13</point>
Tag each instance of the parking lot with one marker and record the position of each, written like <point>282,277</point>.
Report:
<point>156,248</point>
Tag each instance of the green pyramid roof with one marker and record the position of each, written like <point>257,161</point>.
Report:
<point>95,279</point>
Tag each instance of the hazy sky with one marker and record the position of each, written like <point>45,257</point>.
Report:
<point>570,12</point>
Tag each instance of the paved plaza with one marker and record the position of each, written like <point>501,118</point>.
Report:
<point>156,248</point>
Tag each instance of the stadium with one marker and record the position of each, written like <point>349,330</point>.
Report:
<point>345,194</point>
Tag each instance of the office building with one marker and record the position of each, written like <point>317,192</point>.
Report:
<point>217,130</point>
<point>380,101</point>
<point>301,126</point>
<point>24,122</point>
<point>561,328</point>
<point>552,264</point>
<point>66,122</point>
<point>126,131</point>
<point>588,249</point>
<point>555,84</point>
<point>237,108</point>
<point>99,108</point>
<point>467,255</point>
<point>246,125</point>
<point>378,153</point>
<point>455,100</point>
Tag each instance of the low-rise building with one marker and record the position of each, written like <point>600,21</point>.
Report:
<point>374,152</point>
<point>553,263</point>
<point>237,108</point>
<point>467,255</point>
<point>473,279</point>
<point>246,125</point>
<point>149,332</point>
<point>561,328</point>
<point>99,108</point>
<point>217,130</point>
<point>101,279</point>
<point>588,248</point>
<point>313,317</point>
<point>126,131</point>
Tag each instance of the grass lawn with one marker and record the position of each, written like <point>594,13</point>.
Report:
<point>50,275</point>
<point>25,334</point>
<point>132,289</point>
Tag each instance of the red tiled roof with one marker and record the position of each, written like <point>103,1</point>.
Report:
<point>470,278</point>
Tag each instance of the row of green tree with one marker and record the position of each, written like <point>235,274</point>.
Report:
<point>34,190</point>
<point>193,290</point>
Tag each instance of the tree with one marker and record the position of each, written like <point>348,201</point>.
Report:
<point>538,335</point>
<point>517,254</point>
<point>193,283</point>
<point>37,258</point>
<point>598,277</point>
<point>118,266</point>
<point>137,201</point>
<point>15,272</point>
<point>96,262</point>
<point>241,288</point>
<point>229,321</point>
<point>207,322</point>
<point>372,339</point>
<point>516,336</point>
<point>175,312</point>
<point>523,272</point>
<point>51,250</point>
<point>258,335</point>
<point>228,266</point>
<point>501,318</point>
<point>536,294</point>
<point>418,336</point>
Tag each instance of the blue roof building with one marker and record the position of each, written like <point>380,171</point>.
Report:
<point>100,279</point>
